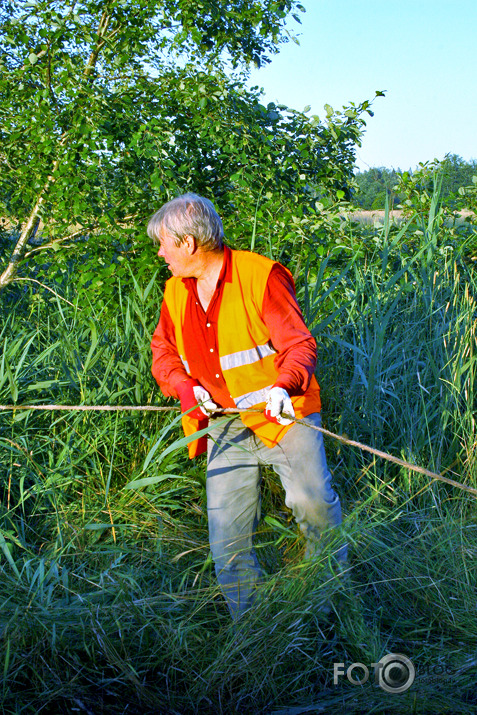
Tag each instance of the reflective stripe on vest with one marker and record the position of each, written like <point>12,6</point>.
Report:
<point>252,398</point>
<point>246,357</point>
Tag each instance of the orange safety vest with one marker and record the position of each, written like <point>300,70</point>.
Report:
<point>246,353</point>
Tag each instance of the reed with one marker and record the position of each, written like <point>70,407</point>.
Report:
<point>108,598</point>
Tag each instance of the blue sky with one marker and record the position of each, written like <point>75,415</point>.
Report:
<point>423,53</point>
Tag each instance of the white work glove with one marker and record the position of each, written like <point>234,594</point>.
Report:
<point>279,402</point>
<point>204,400</point>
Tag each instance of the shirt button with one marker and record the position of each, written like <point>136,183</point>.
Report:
<point>211,350</point>
<point>208,325</point>
<point>217,376</point>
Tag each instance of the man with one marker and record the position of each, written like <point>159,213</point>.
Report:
<point>231,335</point>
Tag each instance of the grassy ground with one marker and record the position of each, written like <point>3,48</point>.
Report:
<point>108,599</point>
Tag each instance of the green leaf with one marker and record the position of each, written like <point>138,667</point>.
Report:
<point>6,548</point>
<point>103,527</point>
<point>147,481</point>
<point>94,342</point>
<point>178,444</point>
<point>271,521</point>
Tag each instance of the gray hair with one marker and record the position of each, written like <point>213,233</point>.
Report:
<point>188,215</point>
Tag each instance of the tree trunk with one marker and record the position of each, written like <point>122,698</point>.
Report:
<point>29,230</point>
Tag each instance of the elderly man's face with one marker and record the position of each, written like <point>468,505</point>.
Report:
<point>178,258</point>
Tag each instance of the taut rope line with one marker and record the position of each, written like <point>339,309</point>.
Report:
<point>231,411</point>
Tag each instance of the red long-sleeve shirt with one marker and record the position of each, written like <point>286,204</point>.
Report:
<point>296,348</point>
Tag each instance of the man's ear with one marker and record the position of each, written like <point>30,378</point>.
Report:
<point>190,243</point>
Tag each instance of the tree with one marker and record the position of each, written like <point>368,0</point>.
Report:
<point>110,108</point>
<point>456,175</point>
<point>373,187</point>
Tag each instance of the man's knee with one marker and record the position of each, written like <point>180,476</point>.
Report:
<point>315,511</point>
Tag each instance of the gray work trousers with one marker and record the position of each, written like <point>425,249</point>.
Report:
<point>235,455</point>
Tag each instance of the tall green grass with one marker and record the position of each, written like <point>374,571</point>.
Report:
<point>396,335</point>
<point>108,598</point>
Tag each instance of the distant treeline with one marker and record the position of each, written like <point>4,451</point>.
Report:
<point>375,184</point>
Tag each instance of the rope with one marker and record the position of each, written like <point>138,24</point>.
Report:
<point>231,410</point>
<point>90,408</point>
